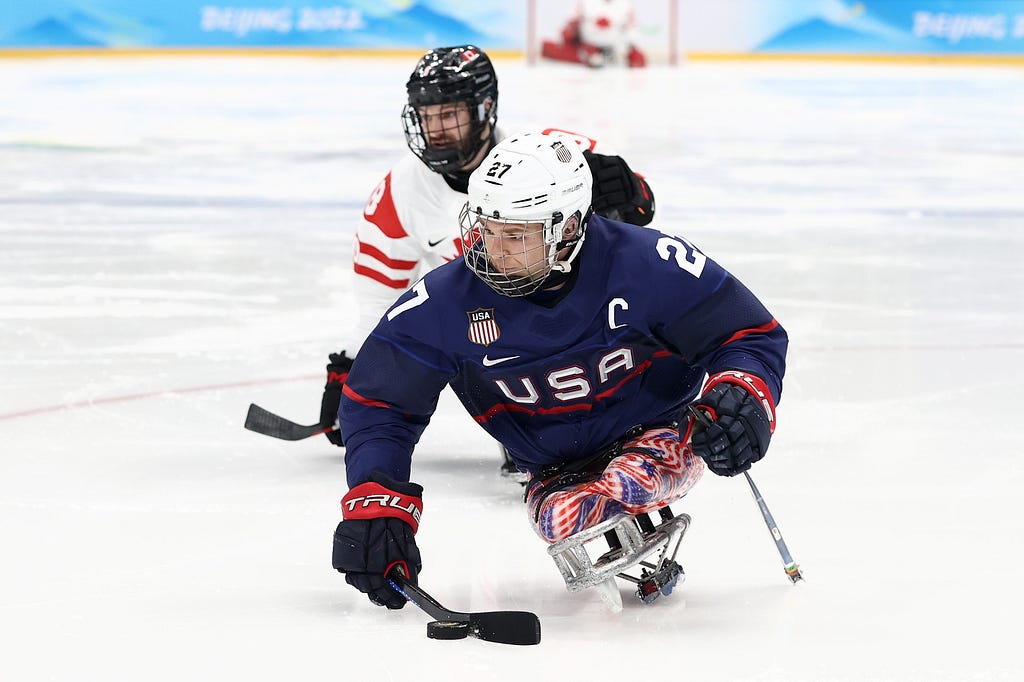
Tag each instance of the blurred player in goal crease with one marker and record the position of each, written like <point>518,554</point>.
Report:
<point>600,33</point>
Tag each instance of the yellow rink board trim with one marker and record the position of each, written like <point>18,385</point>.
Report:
<point>413,53</point>
<point>936,58</point>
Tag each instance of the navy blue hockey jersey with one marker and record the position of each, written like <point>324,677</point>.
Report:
<point>629,344</point>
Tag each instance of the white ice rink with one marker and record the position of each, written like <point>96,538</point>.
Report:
<point>175,243</point>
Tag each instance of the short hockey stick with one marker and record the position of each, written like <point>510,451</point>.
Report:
<point>791,567</point>
<point>503,627</point>
<point>270,424</point>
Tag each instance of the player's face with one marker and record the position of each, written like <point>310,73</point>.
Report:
<point>445,126</point>
<point>516,249</point>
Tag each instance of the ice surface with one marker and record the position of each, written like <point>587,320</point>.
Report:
<point>176,240</point>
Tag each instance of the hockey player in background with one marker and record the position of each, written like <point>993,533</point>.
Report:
<point>576,341</point>
<point>601,33</point>
<point>411,220</point>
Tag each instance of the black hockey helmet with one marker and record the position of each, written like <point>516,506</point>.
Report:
<point>446,75</point>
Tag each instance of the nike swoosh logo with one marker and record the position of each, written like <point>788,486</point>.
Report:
<point>432,244</point>
<point>491,363</point>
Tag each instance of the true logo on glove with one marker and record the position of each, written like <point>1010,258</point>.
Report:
<point>388,501</point>
<point>371,500</point>
<point>754,385</point>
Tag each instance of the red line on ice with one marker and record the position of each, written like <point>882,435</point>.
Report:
<point>153,394</point>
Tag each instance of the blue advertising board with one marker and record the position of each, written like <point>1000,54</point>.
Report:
<point>737,27</point>
<point>259,23</point>
<point>906,26</point>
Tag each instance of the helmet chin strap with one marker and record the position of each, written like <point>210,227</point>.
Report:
<point>561,270</point>
<point>565,265</point>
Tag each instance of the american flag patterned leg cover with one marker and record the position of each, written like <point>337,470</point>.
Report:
<point>654,469</point>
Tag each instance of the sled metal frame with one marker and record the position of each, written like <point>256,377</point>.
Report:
<point>635,546</point>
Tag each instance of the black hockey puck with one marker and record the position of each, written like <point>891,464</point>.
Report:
<point>447,629</point>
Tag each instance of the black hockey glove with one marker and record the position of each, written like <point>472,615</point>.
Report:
<point>618,192</point>
<point>337,375</point>
<point>378,534</point>
<point>742,419</point>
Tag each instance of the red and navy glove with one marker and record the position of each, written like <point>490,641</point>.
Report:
<point>378,534</point>
<point>742,419</point>
<point>619,193</point>
<point>337,375</point>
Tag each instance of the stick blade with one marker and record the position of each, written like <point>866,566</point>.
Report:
<point>506,627</point>
<point>270,424</point>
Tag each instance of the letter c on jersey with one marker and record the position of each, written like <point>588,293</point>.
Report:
<point>616,303</point>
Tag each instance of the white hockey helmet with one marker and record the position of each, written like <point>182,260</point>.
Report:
<point>529,202</point>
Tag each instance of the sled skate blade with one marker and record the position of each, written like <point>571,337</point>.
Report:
<point>631,545</point>
<point>609,593</point>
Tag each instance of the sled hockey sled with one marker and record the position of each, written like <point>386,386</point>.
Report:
<point>639,551</point>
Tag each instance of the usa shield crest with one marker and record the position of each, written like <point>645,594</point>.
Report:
<point>483,328</point>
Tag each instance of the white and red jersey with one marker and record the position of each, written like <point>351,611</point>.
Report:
<point>410,226</point>
<point>607,24</point>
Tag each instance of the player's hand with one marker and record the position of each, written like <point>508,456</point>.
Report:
<point>379,533</point>
<point>618,192</point>
<point>738,424</point>
<point>337,375</point>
